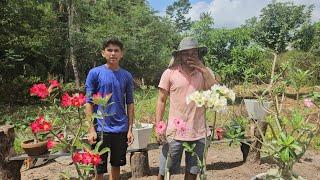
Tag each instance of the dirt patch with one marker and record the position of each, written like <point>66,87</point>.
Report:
<point>223,163</point>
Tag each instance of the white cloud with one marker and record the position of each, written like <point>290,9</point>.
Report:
<point>233,13</point>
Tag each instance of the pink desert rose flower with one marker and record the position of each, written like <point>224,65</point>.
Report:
<point>50,143</point>
<point>60,136</point>
<point>308,102</point>
<point>161,127</point>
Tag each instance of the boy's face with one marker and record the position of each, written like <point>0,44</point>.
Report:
<point>112,54</point>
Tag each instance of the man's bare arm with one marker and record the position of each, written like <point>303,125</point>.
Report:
<point>161,104</point>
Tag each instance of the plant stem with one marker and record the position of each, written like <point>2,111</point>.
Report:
<point>168,161</point>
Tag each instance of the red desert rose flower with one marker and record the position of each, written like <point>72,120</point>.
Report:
<point>54,83</point>
<point>40,120</point>
<point>97,96</point>
<point>47,126</point>
<point>66,100</point>
<point>39,90</point>
<point>96,159</point>
<point>35,127</point>
<point>78,99</point>
<point>86,158</point>
<point>77,157</point>
<point>40,124</point>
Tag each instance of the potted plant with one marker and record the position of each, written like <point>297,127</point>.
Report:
<point>142,131</point>
<point>66,115</point>
<point>38,145</point>
<point>40,126</point>
<point>236,129</point>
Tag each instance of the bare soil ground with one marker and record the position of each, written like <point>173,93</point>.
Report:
<point>223,163</point>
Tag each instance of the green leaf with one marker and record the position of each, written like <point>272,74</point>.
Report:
<point>284,155</point>
<point>97,146</point>
<point>104,150</point>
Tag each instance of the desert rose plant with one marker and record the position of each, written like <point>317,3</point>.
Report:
<point>64,125</point>
<point>291,135</point>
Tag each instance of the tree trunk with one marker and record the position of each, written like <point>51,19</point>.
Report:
<point>139,164</point>
<point>8,169</point>
<point>254,153</point>
<point>71,28</point>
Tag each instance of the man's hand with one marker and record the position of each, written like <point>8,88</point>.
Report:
<point>92,137</point>
<point>130,138</point>
<point>196,63</point>
<point>160,138</point>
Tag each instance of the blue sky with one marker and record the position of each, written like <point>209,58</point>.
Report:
<point>231,13</point>
<point>160,5</point>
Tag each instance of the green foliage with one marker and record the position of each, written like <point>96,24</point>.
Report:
<point>300,65</point>
<point>298,78</point>
<point>145,104</point>
<point>306,38</point>
<point>278,24</point>
<point>232,55</point>
<point>177,13</point>
<point>235,129</point>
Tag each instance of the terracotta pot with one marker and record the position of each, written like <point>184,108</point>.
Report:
<point>34,149</point>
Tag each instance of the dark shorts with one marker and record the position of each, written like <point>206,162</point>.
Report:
<point>117,142</point>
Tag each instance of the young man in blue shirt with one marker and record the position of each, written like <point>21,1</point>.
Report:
<point>117,127</point>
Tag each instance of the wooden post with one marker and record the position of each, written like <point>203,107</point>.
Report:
<point>8,169</point>
<point>139,163</point>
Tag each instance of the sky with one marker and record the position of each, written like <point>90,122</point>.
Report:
<point>231,13</point>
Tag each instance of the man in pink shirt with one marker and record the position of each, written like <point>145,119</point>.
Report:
<point>186,73</point>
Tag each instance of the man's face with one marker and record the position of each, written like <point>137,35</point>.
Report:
<point>189,55</point>
<point>112,54</point>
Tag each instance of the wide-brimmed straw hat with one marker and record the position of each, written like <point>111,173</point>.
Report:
<point>190,43</point>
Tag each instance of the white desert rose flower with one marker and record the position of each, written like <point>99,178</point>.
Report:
<point>224,90</point>
<point>215,88</point>
<point>231,95</point>
<point>206,94</point>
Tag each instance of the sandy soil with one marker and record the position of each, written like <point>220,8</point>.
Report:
<point>223,163</point>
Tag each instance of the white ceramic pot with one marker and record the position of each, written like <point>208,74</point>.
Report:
<point>141,136</point>
<point>257,109</point>
<point>260,176</point>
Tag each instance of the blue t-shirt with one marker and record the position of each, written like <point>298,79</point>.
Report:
<point>103,80</point>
